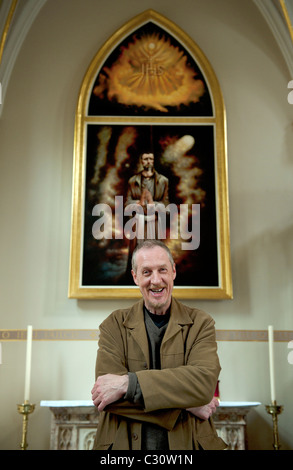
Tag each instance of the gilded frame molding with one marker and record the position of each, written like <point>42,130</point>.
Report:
<point>223,289</point>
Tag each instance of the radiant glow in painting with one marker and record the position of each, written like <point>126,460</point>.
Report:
<point>151,73</point>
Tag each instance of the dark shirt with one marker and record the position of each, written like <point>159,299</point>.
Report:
<point>153,437</point>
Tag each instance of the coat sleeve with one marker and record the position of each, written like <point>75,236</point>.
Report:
<point>111,358</point>
<point>190,385</point>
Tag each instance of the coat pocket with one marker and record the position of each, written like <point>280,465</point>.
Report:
<point>211,442</point>
<point>103,447</point>
<point>205,436</point>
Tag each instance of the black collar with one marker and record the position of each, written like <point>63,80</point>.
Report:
<point>159,320</point>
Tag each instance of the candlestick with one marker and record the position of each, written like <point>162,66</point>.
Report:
<point>275,410</point>
<point>25,409</point>
<point>28,363</point>
<point>272,366</point>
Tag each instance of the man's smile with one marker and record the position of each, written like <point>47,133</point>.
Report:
<point>157,290</point>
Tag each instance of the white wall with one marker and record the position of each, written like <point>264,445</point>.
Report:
<point>36,159</point>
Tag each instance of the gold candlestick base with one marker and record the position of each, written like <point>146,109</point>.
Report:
<point>25,409</point>
<point>275,410</point>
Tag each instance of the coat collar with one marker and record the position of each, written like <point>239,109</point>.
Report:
<point>178,315</point>
<point>134,321</point>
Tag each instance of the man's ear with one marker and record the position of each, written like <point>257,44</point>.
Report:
<point>174,271</point>
<point>134,277</point>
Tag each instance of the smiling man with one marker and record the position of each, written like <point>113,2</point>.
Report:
<point>157,366</point>
<point>154,275</point>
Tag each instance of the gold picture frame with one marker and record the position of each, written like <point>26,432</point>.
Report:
<point>130,110</point>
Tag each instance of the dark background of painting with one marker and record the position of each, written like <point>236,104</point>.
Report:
<point>105,261</point>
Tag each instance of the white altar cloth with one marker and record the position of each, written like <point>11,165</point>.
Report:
<point>70,403</point>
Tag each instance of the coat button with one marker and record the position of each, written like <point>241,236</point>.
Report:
<point>145,366</point>
<point>134,436</point>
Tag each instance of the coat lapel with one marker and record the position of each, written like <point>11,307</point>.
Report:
<point>134,322</point>
<point>177,328</point>
<point>178,319</point>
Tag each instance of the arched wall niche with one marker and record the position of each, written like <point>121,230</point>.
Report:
<point>150,88</point>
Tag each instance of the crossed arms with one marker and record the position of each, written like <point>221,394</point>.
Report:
<point>109,390</point>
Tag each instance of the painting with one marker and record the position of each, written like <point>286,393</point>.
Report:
<point>150,162</point>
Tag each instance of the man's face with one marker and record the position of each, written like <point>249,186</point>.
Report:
<point>155,277</point>
<point>147,161</point>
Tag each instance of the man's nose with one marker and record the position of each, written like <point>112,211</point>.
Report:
<point>156,277</point>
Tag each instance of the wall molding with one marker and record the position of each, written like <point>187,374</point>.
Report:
<point>93,335</point>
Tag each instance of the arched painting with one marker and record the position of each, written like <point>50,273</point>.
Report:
<point>150,162</point>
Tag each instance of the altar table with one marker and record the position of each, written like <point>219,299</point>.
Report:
<point>74,423</point>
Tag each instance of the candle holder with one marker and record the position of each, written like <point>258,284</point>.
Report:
<point>25,409</point>
<point>275,410</point>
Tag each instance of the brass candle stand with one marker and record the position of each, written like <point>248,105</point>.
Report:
<point>275,410</point>
<point>25,409</point>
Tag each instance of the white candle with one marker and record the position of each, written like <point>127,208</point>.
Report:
<point>28,363</point>
<point>272,367</point>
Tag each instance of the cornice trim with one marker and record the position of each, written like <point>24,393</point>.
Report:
<point>279,29</point>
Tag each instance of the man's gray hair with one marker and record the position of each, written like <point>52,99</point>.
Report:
<point>150,244</point>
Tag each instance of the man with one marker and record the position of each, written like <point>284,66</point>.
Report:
<point>148,186</point>
<point>157,366</point>
<point>147,189</point>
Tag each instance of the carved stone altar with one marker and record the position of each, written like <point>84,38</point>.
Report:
<point>230,422</point>
<point>74,424</point>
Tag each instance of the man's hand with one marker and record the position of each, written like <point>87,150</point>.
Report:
<point>109,388</point>
<point>204,412</point>
<point>146,198</point>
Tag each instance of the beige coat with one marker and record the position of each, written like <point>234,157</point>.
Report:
<point>188,377</point>
<point>161,189</point>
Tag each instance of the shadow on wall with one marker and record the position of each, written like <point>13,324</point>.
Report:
<point>263,273</point>
<point>260,431</point>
